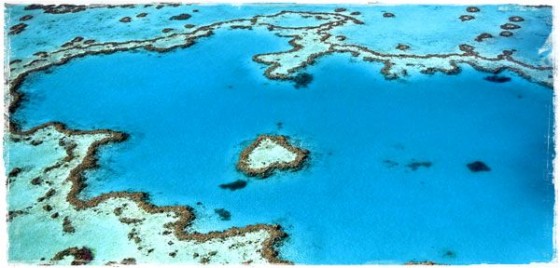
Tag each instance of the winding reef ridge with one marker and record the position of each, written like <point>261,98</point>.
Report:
<point>47,165</point>
<point>45,196</point>
<point>308,42</point>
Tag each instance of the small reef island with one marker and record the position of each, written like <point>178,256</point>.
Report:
<point>268,153</point>
<point>358,89</point>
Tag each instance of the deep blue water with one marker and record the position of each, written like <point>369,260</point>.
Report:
<point>190,113</point>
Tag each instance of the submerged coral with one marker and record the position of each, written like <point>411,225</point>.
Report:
<point>478,166</point>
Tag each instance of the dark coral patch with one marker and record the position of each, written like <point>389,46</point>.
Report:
<point>516,19</point>
<point>224,214</point>
<point>482,36</point>
<point>356,13</point>
<point>236,185</point>
<point>36,142</point>
<point>125,19</point>
<point>14,172</point>
<point>36,181</point>
<point>33,7</point>
<point>466,17</point>
<point>62,9</point>
<point>302,80</point>
<point>183,16</point>
<point>497,79</point>
<point>415,165</point>
<point>473,9</point>
<point>141,15</point>
<point>81,256</point>
<point>128,261</point>
<point>26,18</point>
<point>478,166</point>
<point>466,48</point>
<point>340,9</point>
<point>388,15</point>
<point>166,30</point>
<point>506,33</point>
<point>18,28</point>
<point>510,26</point>
<point>402,47</point>
<point>67,226</point>
<point>41,54</point>
<point>57,9</point>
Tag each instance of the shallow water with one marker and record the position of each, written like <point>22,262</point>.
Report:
<point>359,199</point>
<point>191,112</point>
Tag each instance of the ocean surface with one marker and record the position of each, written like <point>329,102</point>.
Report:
<point>387,180</point>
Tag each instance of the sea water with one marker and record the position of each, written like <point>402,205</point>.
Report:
<point>192,111</point>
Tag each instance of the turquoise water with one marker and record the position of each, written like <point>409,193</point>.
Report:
<point>438,23</point>
<point>191,112</point>
<point>48,31</point>
<point>438,29</point>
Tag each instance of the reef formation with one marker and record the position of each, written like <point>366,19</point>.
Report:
<point>52,188</point>
<point>45,196</point>
<point>269,153</point>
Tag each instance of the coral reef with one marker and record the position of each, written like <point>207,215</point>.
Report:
<point>26,18</point>
<point>183,16</point>
<point>506,33</point>
<point>132,211</point>
<point>269,153</point>
<point>125,19</point>
<point>516,19</point>
<point>482,36</point>
<point>126,212</point>
<point>17,29</point>
<point>388,15</point>
<point>81,256</point>
<point>473,9</point>
<point>402,47</point>
<point>510,26</point>
<point>466,17</point>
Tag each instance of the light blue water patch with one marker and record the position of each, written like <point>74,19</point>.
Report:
<point>191,112</point>
<point>438,30</point>
<point>47,32</point>
<point>16,155</point>
<point>426,29</point>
